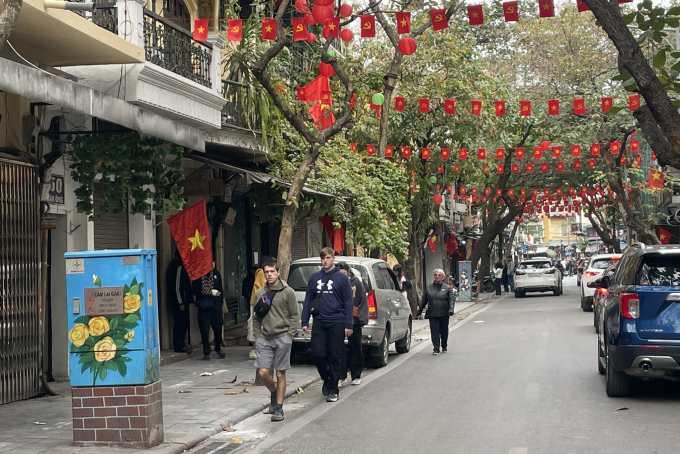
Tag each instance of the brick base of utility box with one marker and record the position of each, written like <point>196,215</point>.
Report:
<point>124,416</point>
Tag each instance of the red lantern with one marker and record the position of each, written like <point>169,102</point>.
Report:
<point>309,19</point>
<point>311,38</point>
<point>302,7</point>
<point>323,2</point>
<point>407,45</point>
<point>345,10</point>
<point>322,14</point>
<point>326,69</point>
<point>520,220</point>
<point>346,34</point>
<point>545,145</point>
<point>437,199</point>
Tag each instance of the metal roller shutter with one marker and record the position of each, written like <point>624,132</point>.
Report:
<point>110,230</point>
<point>298,244</point>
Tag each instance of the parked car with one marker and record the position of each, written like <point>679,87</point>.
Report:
<point>600,292</point>
<point>640,318</point>
<point>538,275</point>
<point>596,265</point>
<point>581,265</point>
<point>389,313</point>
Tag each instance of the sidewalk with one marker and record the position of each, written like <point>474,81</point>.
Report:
<point>194,406</point>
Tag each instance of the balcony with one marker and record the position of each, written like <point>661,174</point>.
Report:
<point>233,115</point>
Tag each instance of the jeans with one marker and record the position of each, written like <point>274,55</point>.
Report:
<point>439,328</point>
<point>180,327</point>
<point>210,318</point>
<point>511,281</point>
<point>328,342</point>
<point>353,355</point>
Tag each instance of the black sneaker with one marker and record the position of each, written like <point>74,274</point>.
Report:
<point>435,353</point>
<point>324,389</point>
<point>332,398</point>
<point>444,350</point>
<point>220,353</point>
<point>272,403</point>
<point>277,414</point>
<point>206,357</point>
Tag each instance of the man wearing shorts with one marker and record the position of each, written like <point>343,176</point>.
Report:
<point>274,334</point>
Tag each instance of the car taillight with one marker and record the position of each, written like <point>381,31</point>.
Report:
<point>592,273</point>
<point>372,306</point>
<point>519,273</point>
<point>630,305</point>
<point>603,291</point>
<point>549,272</point>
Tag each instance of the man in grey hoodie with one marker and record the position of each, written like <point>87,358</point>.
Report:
<point>274,333</point>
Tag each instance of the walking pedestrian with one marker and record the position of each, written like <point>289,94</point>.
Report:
<point>511,273</point>
<point>401,279</point>
<point>208,290</point>
<point>329,300</point>
<point>354,354</point>
<point>179,296</point>
<point>498,275</point>
<point>504,277</point>
<point>258,282</point>
<point>440,299</point>
<point>274,333</point>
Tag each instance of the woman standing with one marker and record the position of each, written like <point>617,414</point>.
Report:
<point>440,300</point>
<point>504,277</point>
<point>498,276</point>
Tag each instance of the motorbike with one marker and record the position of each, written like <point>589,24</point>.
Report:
<point>487,282</point>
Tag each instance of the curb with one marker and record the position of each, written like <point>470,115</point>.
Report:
<point>179,446</point>
<point>465,312</point>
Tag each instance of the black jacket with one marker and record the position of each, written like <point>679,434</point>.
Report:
<point>439,299</point>
<point>178,285</point>
<point>205,300</point>
<point>360,301</point>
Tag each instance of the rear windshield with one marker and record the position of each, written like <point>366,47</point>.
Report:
<point>602,263</point>
<point>659,270</point>
<point>299,275</point>
<point>534,265</point>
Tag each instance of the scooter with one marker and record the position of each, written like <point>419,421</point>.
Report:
<point>487,282</point>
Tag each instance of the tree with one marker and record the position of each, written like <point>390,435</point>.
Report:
<point>9,16</point>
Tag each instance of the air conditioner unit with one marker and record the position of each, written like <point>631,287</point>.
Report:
<point>30,127</point>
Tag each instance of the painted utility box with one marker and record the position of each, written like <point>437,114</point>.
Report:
<point>113,317</point>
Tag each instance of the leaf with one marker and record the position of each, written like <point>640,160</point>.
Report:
<point>127,359</point>
<point>246,390</point>
<point>284,195</point>
<point>126,289</point>
<point>237,441</point>
<point>84,366</point>
<point>113,324</point>
<point>659,60</point>
<point>226,428</point>
<point>122,368</point>
<point>102,372</point>
<point>134,290</point>
<point>110,365</point>
<point>119,342</point>
<point>82,319</point>
<point>132,318</point>
<point>614,110</point>
<point>133,283</point>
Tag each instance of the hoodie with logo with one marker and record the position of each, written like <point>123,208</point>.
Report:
<point>336,300</point>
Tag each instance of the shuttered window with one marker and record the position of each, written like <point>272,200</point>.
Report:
<point>110,230</point>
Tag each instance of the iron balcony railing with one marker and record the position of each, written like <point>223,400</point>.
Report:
<point>232,113</point>
<point>173,48</point>
<point>105,15</point>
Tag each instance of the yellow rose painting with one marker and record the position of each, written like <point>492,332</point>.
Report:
<point>98,325</point>
<point>132,303</point>
<point>78,334</point>
<point>129,336</point>
<point>104,350</point>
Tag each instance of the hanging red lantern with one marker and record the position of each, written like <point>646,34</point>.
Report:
<point>437,199</point>
<point>323,2</point>
<point>302,7</point>
<point>520,220</point>
<point>407,45</point>
<point>322,14</point>
<point>325,69</point>
<point>545,145</point>
<point>345,10</point>
<point>311,38</point>
<point>346,34</point>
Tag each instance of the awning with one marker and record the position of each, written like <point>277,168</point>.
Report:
<point>253,176</point>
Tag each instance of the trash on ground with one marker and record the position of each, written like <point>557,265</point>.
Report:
<point>206,374</point>
<point>182,391</point>
<point>226,428</point>
<point>237,441</point>
<point>231,393</point>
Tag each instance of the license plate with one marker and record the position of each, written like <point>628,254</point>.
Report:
<point>534,275</point>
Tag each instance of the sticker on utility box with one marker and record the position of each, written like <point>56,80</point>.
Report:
<point>75,266</point>
<point>104,301</point>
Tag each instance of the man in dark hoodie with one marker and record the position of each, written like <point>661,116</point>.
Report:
<point>354,354</point>
<point>329,300</point>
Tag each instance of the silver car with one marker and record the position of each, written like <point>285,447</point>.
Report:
<point>537,275</point>
<point>389,313</point>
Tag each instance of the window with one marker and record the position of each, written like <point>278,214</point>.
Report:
<point>389,283</point>
<point>534,265</point>
<point>659,270</point>
<point>602,264</point>
<point>556,229</point>
<point>379,280</point>
<point>625,272</point>
<point>299,276</point>
<point>360,271</point>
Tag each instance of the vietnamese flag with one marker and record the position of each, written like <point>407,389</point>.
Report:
<point>530,167</point>
<point>579,106</point>
<point>269,29</point>
<point>353,147</point>
<point>299,30</point>
<point>191,232</point>
<point>525,108</point>
<point>581,6</point>
<point>481,154</point>
<point>200,29</point>
<point>405,152</point>
<point>440,169</point>
<point>333,27</point>
<point>607,104</point>
<point>510,11</point>
<point>367,26</point>
<point>637,161</point>
<point>399,103</point>
<point>234,30</point>
<point>538,153</point>
<point>475,14</point>
<point>500,169</point>
<point>515,168</point>
<point>553,107</point>
<point>623,160</point>
<point>633,102</point>
<point>519,153</point>
<point>462,154</point>
<point>403,22</point>
<point>615,147</point>
<point>653,156</point>
<point>425,154</point>
<point>557,152</point>
<point>353,101</point>
<point>499,192</point>
<point>634,145</point>
<point>456,168</point>
<point>301,94</point>
<point>560,166</point>
<point>656,179</point>
<point>370,149</point>
<point>439,20</point>
<point>445,154</point>
<point>664,235</point>
<point>500,153</point>
<point>595,149</point>
<point>546,8</point>
<point>450,106</point>
<point>476,107</point>
<point>576,151</point>
<point>389,151</point>
<point>577,164</point>
<point>424,105</point>
<point>500,108</point>
<point>544,167</point>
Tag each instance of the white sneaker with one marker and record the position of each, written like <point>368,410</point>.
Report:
<point>343,383</point>
<point>356,381</point>
<point>252,355</point>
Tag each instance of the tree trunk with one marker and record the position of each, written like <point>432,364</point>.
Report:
<point>11,9</point>
<point>511,240</point>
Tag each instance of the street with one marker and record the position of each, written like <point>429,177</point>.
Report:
<point>520,378</point>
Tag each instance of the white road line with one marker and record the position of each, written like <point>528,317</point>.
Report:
<point>532,390</point>
<point>545,333</point>
<point>183,384</point>
<point>540,355</point>
<point>518,451</point>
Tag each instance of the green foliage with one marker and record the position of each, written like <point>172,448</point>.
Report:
<point>142,172</point>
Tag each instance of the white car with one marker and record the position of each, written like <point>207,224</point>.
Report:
<point>596,265</point>
<point>537,275</point>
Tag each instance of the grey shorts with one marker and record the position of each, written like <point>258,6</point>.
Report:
<point>276,350</point>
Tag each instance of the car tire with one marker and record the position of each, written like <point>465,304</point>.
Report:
<point>556,292</point>
<point>519,294</point>
<point>381,353</point>
<point>600,359</point>
<point>618,383</point>
<point>404,345</point>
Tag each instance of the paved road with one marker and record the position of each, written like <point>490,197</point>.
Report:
<point>520,378</point>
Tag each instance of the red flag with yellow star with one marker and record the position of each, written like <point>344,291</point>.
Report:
<point>546,8</point>
<point>553,107</point>
<point>656,179</point>
<point>595,149</point>
<point>399,103</point>
<point>200,29</point>
<point>664,235</point>
<point>234,30</point>
<point>607,104</point>
<point>405,152</point>
<point>475,14</point>
<point>403,22</point>
<point>269,29</point>
<point>500,108</point>
<point>191,232</point>
<point>634,145</point>
<point>519,153</point>
<point>450,106</point>
<point>481,154</point>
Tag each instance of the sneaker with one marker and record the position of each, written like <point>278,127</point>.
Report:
<point>324,389</point>
<point>277,414</point>
<point>252,355</point>
<point>356,381</point>
<point>343,383</point>
<point>206,357</point>
<point>272,403</point>
<point>220,353</point>
<point>435,353</point>
<point>332,398</point>
<point>444,350</point>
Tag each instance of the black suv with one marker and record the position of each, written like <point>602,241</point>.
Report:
<point>639,326</point>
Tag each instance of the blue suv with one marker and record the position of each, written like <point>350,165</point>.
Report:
<point>639,330</point>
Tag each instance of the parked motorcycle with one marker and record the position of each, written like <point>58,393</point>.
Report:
<point>487,282</point>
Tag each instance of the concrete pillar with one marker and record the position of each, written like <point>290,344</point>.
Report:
<point>131,21</point>
<point>218,41</point>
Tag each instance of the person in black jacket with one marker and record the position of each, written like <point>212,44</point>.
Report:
<point>179,296</point>
<point>440,299</point>
<point>208,290</point>
<point>354,355</point>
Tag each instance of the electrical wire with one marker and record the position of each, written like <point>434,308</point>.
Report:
<point>31,64</point>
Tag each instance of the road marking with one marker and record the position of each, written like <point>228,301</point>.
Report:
<point>532,390</point>
<point>518,451</point>
<point>540,355</point>
<point>545,334</point>
<point>179,385</point>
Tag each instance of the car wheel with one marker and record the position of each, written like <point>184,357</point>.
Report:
<point>600,359</point>
<point>382,353</point>
<point>618,383</point>
<point>404,345</point>
<point>556,292</point>
<point>519,294</point>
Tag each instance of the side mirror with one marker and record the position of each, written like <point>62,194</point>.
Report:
<point>407,285</point>
<point>595,284</point>
<point>605,281</point>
